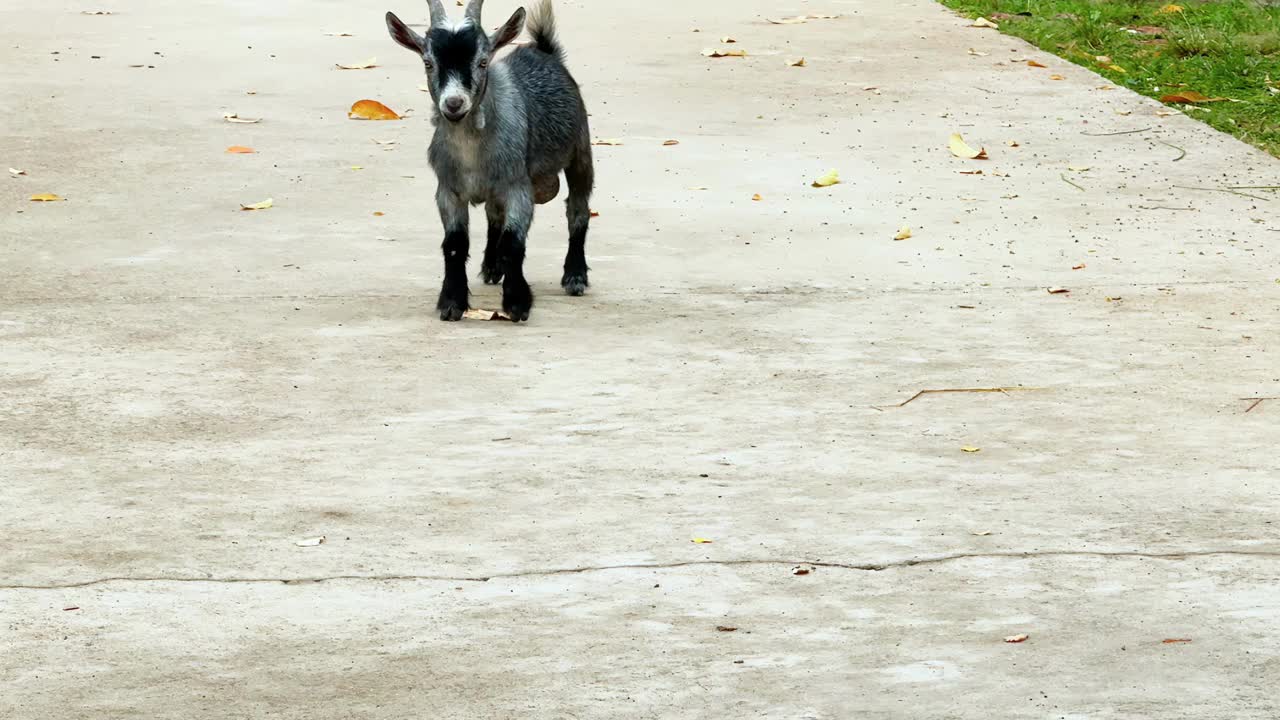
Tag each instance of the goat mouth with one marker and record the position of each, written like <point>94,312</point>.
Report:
<point>455,117</point>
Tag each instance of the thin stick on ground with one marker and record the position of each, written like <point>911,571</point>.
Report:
<point>1121,132</point>
<point>1068,181</point>
<point>1175,147</point>
<point>1223,190</point>
<point>1253,187</point>
<point>1003,390</point>
<point>1256,402</point>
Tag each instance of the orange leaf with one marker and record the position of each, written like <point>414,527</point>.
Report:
<point>1033,63</point>
<point>1170,641</point>
<point>46,197</point>
<point>1189,96</point>
<point>241,150</point>
<point>671,142</point>
<point>371,110</point>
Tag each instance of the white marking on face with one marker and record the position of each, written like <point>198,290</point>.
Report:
<point>455,25</point>
<point>454,89</point>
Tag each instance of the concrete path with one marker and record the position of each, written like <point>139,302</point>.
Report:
<point>187,389</point>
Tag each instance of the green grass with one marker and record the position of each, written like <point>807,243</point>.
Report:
<point>1220,48</point>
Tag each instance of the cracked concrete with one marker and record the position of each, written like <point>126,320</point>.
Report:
<point>187,389</point>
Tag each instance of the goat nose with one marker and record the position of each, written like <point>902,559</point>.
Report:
<point>453,104</point>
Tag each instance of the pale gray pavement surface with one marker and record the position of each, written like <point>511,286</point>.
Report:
<point>188,389</point>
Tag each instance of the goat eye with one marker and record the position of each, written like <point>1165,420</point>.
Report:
<point>484,62</point>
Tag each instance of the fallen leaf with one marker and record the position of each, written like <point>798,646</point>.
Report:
<point>903,233</point>
<point>1057,290</point>
<point>1114,299</point>
<point>970,449</point>
<point>1079,266</point>
<point>1033,63</point>
<point>479,314</point>
<point>338,34</point>
<point>699,187</point>
<point>796,62</point>
<point>16,172</point>
<point>1056,77</point>
<point>980,533</point>
<point>720,53</point>
<point>371,110</point>
<point>378,213</point>
<point>788,21</point>
<point>1124,112</point>
<point>46,197</point>
<point>593,213</point>
<point>984,23</point>
<point>821,16</point>
<point>1189,96</point>
<point>606,141</point>
<point>241,150</point>
<point>757,197</point>
<point>701,541</point>
<point>1171,641</point>
<point>1104,59</point>
<point>1078,168</point>
<point>1165,113</point>
<point>246,92</point>
<point>95,12</point>
<point>1117,68</point>
<point>425,88</point>
<point>310,542</point>
<point>976,53</point>
<point>961,149</point>
<point>671,142</point>
<point>370,63</point>
<point>1169,9</point>
<point>831,178</point>
<point>873,89</point>
<point>1017,638</point>
<point>1153,30</point>
<point>725,628</point>
<point>258,205</point>
<point>233,117</point>
<point>970,172</point>
<point>802,570</point>
<point>728,39</point>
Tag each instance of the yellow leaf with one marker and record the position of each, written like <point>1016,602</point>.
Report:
<point>233,117</point>
<point>1117,68</point>
<point>258,205</point>
<point>702,541</point>
<point>720,53</point>
<point>378,213</point>
<point>1078,168</point>
<point>831,178</point>
<point>970,449</point>
<point>46,197</point>
<point>371,110</point>
<point>670,142</point>
<point>984,23</point>
<point>795,62</point>
<point>904,233</point>
<point>1056,77</point>
<point>606,141</point>
<point>757,197</point>
<point>370,63</point>
<point>1169,9</point>
<point>1033,63</point>
<point>961,149</point>
<point>241,150</point>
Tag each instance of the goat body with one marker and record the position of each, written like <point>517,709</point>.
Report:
<point>505,129</point>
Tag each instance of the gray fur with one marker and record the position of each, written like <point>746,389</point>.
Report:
<point>524,124</point>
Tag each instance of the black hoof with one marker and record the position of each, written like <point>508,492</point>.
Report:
<point>574,284</point>
<point>450,308</point>
<point>517,300</point>
<point>491,275</point>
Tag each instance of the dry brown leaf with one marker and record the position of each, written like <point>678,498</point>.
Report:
<point>984,23</point>
<point>241,150</point>
<point>961,149</point>
<point>365,65</point>
<point>1189,96</point>
<point>606,141</point>
<point>1012,143</point>
<point>757,197</point>
<point>378,213</point>
<point>1033,63</point>
<point>970,172</point>
<point>670,142</point>
<point>1079,266</point>
<point>831,178</point>
<point>796,62</point>
<point>371,110</point>
<point>233,117</point>
<point>727,39</point>
<point>46,197</point>
<point>722,53</point>
<point>1171,641</point>
<point>1057,290</point>
<point>904,233</point>
<point>258,205</point>
<point>802,570</point>
<point>593,213</point>
<point>480,314</point>
<point>1022,637</point>
<point>725,628</point>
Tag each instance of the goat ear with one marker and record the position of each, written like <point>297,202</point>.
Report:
<point>509,31</point>
<point>403,35</point>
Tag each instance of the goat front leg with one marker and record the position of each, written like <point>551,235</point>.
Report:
<point>491,266</point>
<point>454,215</point>
<point>517,298</point>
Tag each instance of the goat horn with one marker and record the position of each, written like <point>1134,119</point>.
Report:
<point>438,15</point>
<point>473,11</point>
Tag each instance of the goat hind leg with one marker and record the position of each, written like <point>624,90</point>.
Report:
<point>580,175</point>
<point>491,266</point>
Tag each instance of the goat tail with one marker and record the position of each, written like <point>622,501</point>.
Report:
<point>542,27</point>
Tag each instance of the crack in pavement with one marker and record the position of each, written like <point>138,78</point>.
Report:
<point>868,567</point>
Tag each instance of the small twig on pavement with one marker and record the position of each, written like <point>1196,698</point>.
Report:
<point>1256,402</point>
<point>1122,132</point>
<point>1224,190</point>
<point>1003,390</point>
<point>993,92</point>
<point>1161,207</point>
<point>1175,147</point>
<point>1067,181</point>
<point>1253,187</point>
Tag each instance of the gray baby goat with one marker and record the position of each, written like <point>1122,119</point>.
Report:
<point>505,129</point>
